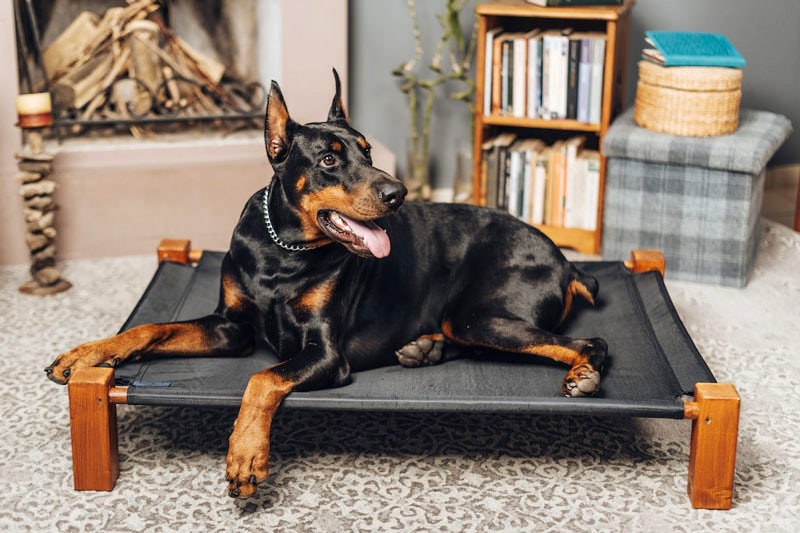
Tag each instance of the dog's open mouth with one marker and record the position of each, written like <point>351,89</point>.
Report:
<point>364,238</point>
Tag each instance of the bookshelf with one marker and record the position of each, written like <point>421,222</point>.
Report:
<point>520,16</point>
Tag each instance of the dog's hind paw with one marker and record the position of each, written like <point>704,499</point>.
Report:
<point>426,350</point>
<point>581,381</point>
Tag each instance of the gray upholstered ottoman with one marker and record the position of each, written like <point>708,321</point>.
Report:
<point>696,199</point>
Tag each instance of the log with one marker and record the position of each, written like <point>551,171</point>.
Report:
<point>69,45</point>
<point>213,70</point>
<point>82,83</point>
<point>145,64</point>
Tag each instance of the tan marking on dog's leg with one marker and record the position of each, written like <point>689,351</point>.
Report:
<point>248,446</point>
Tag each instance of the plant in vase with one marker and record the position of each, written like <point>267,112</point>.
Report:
<point>450,63</point>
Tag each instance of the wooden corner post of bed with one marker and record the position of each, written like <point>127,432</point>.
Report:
<point>712,456</point>
<point>178,250</point>
<point>93,425</point>
<point>645,261</point>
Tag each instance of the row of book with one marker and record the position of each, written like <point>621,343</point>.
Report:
<point>548,74</point>
<point>556,185</point>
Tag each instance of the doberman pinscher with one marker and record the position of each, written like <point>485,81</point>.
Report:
<point>334,284</point>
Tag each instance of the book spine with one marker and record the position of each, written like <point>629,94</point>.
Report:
<point>534,75</point>
<point>487,72</point>
<point>520,77</point>
<point>505,83</point>
<point>596,89</point>
<point>584,79</point>
<point>573,78</point>
<point>562,59</point>
<point>497,75</point>
<point>539,188</point>
<point>547,46</point>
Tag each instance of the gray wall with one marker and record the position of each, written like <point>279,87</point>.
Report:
<point>767,33</point>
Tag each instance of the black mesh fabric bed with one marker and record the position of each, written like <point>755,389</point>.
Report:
<point>653,370</point>
<point>652,362</point>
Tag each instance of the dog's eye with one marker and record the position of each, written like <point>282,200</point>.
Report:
<point>368,151</point>
<point>328,161</point>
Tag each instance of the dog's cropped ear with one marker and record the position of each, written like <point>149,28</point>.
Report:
<point>276,125</point>
<point>337,112</point>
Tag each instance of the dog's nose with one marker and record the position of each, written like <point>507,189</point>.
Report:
<point>392,194</point>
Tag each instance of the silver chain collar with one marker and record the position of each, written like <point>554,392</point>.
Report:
<point>271,230</point>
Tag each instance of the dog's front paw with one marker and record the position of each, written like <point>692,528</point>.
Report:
<point>426,350</point>
<point>248,457</point>
<point>88,354</point>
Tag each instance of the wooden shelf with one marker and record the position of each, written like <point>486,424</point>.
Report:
<point>516,122</point>
<point>614,21</point>
<point>518,8</point>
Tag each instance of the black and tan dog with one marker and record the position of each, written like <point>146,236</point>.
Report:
<point>319,268</point>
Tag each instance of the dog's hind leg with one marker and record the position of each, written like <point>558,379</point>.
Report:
<point>585,357</point>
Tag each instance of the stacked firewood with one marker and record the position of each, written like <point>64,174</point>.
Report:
<point>128,64</point>
<point>39,212</point>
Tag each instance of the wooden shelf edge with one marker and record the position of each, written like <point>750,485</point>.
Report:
<point>565,124</point>
<point>519,8</point>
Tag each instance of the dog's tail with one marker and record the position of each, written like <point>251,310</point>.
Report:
<point>580,284</point>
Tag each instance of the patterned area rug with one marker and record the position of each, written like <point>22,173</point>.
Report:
<point>402,472</point>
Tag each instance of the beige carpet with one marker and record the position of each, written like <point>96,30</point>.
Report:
<point>361,472</point>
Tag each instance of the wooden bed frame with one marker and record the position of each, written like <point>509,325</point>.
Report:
<point>714,412</point>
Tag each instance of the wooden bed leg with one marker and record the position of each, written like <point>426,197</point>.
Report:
<point>178,250</point>
<point>712,456</point>
<point>645,261</point>
<point>93,424</point>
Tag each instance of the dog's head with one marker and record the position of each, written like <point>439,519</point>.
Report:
<point>326,172</point>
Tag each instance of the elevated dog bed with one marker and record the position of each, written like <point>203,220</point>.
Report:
<point>653,370</point>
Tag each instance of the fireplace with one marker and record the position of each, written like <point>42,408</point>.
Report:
<point>145,66</point>
<point>120,194</point>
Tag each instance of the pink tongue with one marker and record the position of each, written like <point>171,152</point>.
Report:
<point>374,237</point>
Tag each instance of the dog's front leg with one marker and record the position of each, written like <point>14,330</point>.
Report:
<point>210,335</point>
<point>318,365</point>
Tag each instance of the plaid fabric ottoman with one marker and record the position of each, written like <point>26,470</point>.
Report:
<point>696,199</point>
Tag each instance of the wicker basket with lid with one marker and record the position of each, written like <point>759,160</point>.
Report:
<point>691,101</point>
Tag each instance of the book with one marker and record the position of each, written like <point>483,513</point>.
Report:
<point>487,70</point>
<point>691,49</point>
<point>572,182</point>
<point>555,46</point>
<point>596,81</point>
<point>497,73</point>
<point>519,67</point>
<point>539,189</point>
<point>584,79</point>
<point>534,103</point>
<point>503,144</point>
<point>573,55</point>
<point>569,3</point>
<point>592,189</point>
<point>506,74</point>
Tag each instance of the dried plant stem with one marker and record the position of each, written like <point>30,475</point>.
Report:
<point>459,53</point>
